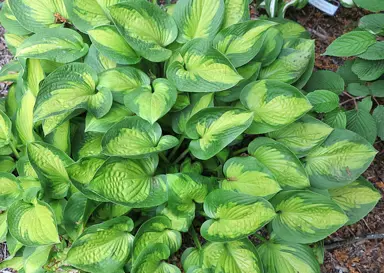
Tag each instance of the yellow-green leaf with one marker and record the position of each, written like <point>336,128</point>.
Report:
<point>61,45</point>
<point>212,129</point>
<point>275,104</point>
<point>33,224</point>
<point>10,190</point>
<point>198,67</point>
<point>135,137</point>
<point>236,11</point>
<point>146,27</point>
<point>305,217</point>
<point>152,102</point>
<point>112,45</point>
<point>247,175</point>
<point>198,19</point>
<point>234,215</point>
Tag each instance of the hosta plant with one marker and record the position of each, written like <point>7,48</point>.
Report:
<point>132,133</point>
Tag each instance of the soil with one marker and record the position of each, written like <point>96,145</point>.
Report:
<point>361,257</point>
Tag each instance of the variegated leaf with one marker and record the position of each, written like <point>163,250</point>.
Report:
<point>275,104</point>
<point>146,27</point>
<point>198,67</point>
<point>212,129</point>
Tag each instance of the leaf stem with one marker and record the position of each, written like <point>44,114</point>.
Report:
<point>163,157</point>
<point>176,148</point>
<point>195,237</point>
<point>14,150</point>
<point>261,238</point>
<point>154,2</point>
<point>181,156</point>
<point>240,151</point>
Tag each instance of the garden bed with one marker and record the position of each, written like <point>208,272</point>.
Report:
<point>360,256</point>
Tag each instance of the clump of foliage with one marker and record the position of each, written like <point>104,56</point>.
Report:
<point>362,76</point>
<point>128,127</point>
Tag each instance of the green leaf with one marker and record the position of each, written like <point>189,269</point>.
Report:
<point>272,101</point>
<point>24,168</point>
<point>135,137</point>
<point>291,29</point>
<point>117,113</point>
<point>292,62</point>
<point>87,144</point>
<point>68,88</point>
<point>87,14</point>
<point>356,199</point>
<point>198,67</point>
<point>152,102</point>
<point>358,89</point>
<point>323,101</point>
<point>368,70</point>
<point>61,137</point>
<point>15,263</point>
<point>282,257</point>
<point>374,52</point>
<point>377,88</point>
<point>325,80</point>
<point>10,190</point>
<point>156,230</point>
<point>43,231</point>
<point>100,103</point>
<point>184,189</point>
<point>13,246</point>
<point>13,42</point>
<point>112,45</point>
<point>365,105</point>
<point>341,159</point>
<point>9,21</point>
<point>198,19</point>
<point>272,45</point>
<point>152,259</point>
<point>362,123</point>
<point>122,80</point>
<point>378,115</point>
<point>104,247</point>
<point>281,162</point>
<point>247,175</point>
<point>305,217</point>
<point>235,11</point>
<point>76,214</point>
<point>82,172</point>
<point>60,45</point>
<point>303,135</point>
<point>373,5</point>
<point>240,43</point>
<point>236,256</point>
<point>49,163</point>
<point>130,182</point>
<point>373,23</point>
<point>34,258</point>
<point>345,71</point>
<point>35,16</point>
<point>351,44</point>
<point>3,227</point>
<point>198,102</point>
<point>5,129</point>
<point>234,215</point>
<point>336,119</point>
<point>7,164</point>
<point>146,27</point>
<point>212,129</point>
<point>53,122</point>
<point>250,73</point>
<point>98,61</point>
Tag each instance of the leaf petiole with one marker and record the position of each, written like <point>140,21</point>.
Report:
<point>176,148</point>
<point>14,150</point>
<point>195,237</point>
<point>181,156</point>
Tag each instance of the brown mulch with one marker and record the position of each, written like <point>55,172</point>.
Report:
<point>361,257</point>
